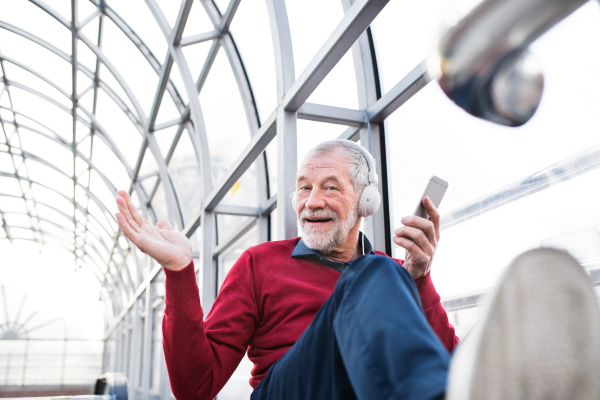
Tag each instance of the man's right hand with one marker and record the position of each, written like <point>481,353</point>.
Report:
<point>170,248</point>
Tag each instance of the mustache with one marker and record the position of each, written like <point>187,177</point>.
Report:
<point>323,214</point>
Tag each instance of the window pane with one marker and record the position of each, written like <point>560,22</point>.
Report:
<point>185,173</point>
<point>224,116</point>
<point>130,64</point>
<point>251,31</point>
<point>404,33</point>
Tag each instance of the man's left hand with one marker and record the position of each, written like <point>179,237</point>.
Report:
<point>419,237</point>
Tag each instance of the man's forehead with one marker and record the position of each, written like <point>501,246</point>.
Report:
<point>328,165</point>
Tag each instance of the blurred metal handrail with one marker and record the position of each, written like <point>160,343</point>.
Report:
<point>482,63</point>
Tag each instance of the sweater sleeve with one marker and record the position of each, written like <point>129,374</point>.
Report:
<point>202,355</point>
<point>435,313</point>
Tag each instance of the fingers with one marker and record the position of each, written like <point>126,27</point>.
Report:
<point>164,224</point>
<point>415,252</point>
<point>130,233</point>
<point>132,210</point>
<point>126,214</point>
<point>422,224</point>
<point>434,215</point>
<point>417,236</point>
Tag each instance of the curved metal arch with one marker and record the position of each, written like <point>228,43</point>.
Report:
<point>130,289</point>
<point>99,54</point>
<point>60,141</point>
<point>26,154</point>
<point>47,220</point>
<point>247,95</point>
<point>62,213</point>
<point>41,42</point>
<point>66,216</point>
<point>169,192</point>
<point>7,175</point>
<point>104,135</point>
<point>145,51</point>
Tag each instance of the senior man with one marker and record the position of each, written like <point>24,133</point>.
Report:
<point>318,319</point>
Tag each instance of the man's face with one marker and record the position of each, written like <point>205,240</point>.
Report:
<point>326,201</point>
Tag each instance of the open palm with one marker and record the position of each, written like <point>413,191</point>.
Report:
<point>162,242</point>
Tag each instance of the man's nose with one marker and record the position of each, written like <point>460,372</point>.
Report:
<point>316,200</point>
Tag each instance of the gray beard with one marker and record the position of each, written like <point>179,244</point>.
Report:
<point>325,241</point>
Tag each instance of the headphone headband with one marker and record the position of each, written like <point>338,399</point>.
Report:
<point>373,178</point>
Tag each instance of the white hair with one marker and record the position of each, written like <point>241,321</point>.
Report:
<point>358,169</point>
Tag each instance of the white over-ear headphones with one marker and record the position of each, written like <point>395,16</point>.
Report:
<point>370,198</point>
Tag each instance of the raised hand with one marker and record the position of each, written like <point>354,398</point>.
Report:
<point>162,242</point>
<point>420,238</point>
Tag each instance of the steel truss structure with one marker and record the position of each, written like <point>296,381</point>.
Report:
<point>133,285</point>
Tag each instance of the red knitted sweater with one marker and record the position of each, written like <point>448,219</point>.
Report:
<point>265,303</point>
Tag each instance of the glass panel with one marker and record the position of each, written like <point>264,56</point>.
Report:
<point>6,163</point>
<point>54,199</point>
<point>33,19</point>
<point>47,150</point>
<point>53,229</point>
<point>140,19</point>
<point>41,173</point>
<point>227,225</point>
<point>46,113</point>
<point>245,192</point>
<point>10,186</point>
<point>311,133</point>
<point>159,204</point>
<point>450,143</point>
<point>109,80</point>
<point>222,5</point>
<point>107,162</point>
<point>20,75</point>
<point>224,116</point>
<point>251,31</point>
<point>404,34</point>
<point>104,194</point>
<point>62,7</point>
<point>165,137</point>
<point>18,220</point>
<point>550,222</point>
<point>185,173</point>
<point>29,53</point>
<point>198,21</point>
<point>85,56</point>
<point>195,56</point>
<point>237,386</point>
<point>84,9</point>
<point>167,110</point>
<point>339,87</point>
<point>177,81</point>
<point>170,9</point>
<point>130,64</point>
<point>47,213</point>
<point>311,29</point>
<point>149,164</point>
<point>120,128</point>
<point>21,233</point>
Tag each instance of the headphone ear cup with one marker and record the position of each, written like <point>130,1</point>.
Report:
<point>369,201</point>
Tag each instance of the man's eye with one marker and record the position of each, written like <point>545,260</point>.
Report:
<point>331,188</point>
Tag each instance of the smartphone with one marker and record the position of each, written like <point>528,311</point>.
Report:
<point>435,190</point>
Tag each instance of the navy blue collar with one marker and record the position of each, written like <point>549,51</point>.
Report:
<point>302,250</point>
